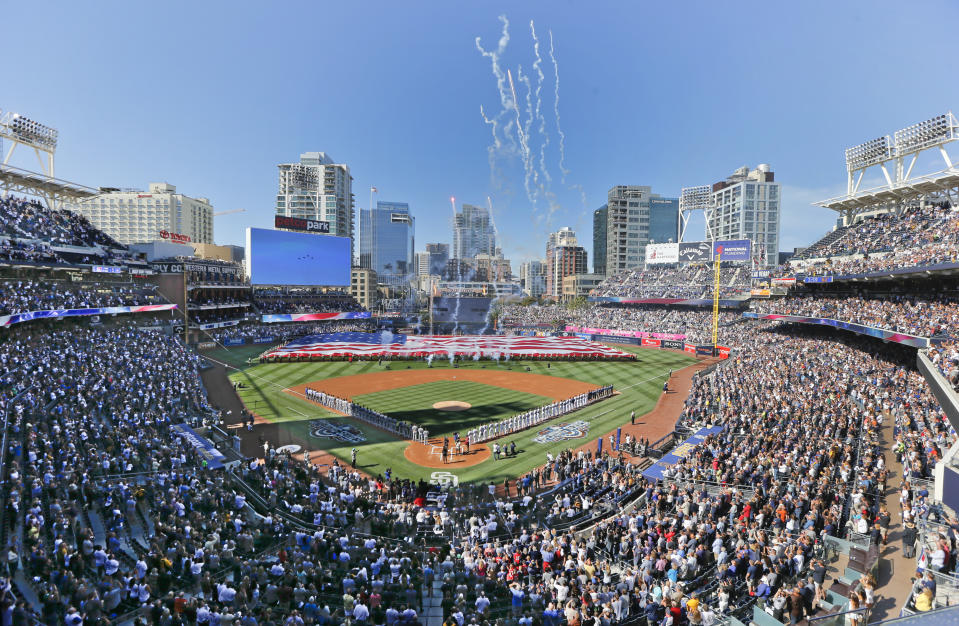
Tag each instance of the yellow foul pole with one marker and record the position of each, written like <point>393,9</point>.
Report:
<point>716,302</point>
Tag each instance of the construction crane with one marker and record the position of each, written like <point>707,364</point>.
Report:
<point>229,212</point>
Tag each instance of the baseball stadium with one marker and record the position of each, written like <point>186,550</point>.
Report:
<point>727,399</point>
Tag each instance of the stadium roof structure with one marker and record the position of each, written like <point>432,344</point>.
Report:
<point>896,158</point>
<point>30,135</point>
<point>53,190</point>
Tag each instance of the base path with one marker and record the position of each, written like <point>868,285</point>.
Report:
<point>349,387</point>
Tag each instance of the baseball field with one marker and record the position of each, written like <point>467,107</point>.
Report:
<point>444,400</point>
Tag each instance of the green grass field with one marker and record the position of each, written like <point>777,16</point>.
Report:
<point>639,383</point>
<point>415,404</point>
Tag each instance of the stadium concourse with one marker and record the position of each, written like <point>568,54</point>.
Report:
<point>806,442</point>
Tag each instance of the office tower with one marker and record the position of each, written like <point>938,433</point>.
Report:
<point>599,239</point>
<point>439,257</point>
<point>747,206</point>
<point>532,278</point>
<point>319,189</point>
<point>631,223</point>
<point>564,257</point>
<point>473,233</point>
<point>386,241</point>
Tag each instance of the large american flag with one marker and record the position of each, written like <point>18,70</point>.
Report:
<point>485,346</point>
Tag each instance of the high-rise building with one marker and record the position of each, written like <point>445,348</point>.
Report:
<point>386,241</point>
<point>439,257</point>
<point>631,222</point>
<point>318,189</point>
<point>135,216</point>
<point>663,219</point>
<point>564,257</point>
<point>473,233</point>
<point>363,286</point>
<point>421,264</point>
<point>532,278</point>
<point>599,239</point>
<point>746,206</point>
<point>492,268</point>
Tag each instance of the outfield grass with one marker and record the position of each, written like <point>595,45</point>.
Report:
<point>415,404</point>
<point>639,383</point>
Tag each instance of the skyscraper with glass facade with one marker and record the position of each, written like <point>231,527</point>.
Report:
<point>386,241</point>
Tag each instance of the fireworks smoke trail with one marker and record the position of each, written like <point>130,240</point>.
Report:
<point>529,165</point>
<point>559,128</point>
<point>499,132</point>
<point>540,78</point>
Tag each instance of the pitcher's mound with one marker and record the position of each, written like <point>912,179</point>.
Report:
<point>452,405</point>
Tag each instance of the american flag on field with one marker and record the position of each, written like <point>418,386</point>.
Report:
<point>484,346</point>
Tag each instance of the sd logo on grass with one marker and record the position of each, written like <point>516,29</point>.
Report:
<point>562,432</point>
<point>330,429</point>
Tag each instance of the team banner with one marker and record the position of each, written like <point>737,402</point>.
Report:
<point>623,333</point>
<point>651,343</point>
<point>206,449</point>
<point>658,253</point>
<point>680,452</point>
<point>879,333</point>
<point>17,318</point>
<point>694,251</point>
<point>733,249</point>
<point>387,344</point>
<point>314,317</point>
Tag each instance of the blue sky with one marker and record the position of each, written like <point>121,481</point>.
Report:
<point>211,96</point>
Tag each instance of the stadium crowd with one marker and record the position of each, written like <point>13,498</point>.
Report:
<point>910,314</point>
<point>914,228</point>
<point>20,296</point>
<point>30,220</point>
<point>684,281</point>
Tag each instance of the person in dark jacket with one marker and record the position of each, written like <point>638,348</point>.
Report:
<point>909,534</point>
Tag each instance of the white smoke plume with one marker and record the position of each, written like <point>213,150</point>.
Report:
<point>540,78</point>
<point>559,127</point>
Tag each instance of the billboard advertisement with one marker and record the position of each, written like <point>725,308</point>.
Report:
<point>278,257</point>
<point>296,223</point>
<point>657,253</point>
<point>690,348</point>
<point>650,343</point>
<point>732,249</point>
<point>694,251</point>
<point>672,344</point>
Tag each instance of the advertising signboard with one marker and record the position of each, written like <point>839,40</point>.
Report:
<point>732,249</point>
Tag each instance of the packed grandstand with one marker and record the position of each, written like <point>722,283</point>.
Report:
<point>112,514</point>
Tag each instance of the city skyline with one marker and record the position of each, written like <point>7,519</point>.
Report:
<point>676,120</point>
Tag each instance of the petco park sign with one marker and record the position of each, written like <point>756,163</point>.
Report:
<point>174,237</point>
<point>296,223</point>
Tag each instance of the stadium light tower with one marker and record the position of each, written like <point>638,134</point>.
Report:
<point>22,131</point>
<point>695,199</point>
<point>896,157</point>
